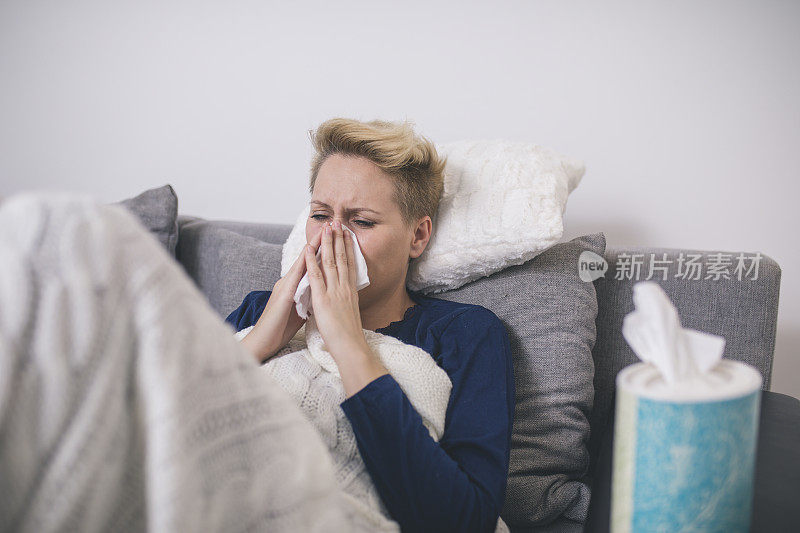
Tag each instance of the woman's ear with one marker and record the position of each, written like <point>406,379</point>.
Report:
<point>421,236</point>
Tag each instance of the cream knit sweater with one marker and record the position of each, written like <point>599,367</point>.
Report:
<point>307,371</point>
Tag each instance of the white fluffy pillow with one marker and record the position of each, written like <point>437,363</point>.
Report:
<point>503,204</point>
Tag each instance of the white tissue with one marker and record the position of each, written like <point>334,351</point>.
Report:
<point>655,334</point>
<point>302,296</point>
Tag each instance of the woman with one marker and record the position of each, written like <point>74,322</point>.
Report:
<point>384,183</point>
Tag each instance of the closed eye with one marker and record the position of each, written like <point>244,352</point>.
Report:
<point>362,223</point>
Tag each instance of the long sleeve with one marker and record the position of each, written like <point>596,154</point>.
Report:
<point>249,311</point>
<point>457,484</point>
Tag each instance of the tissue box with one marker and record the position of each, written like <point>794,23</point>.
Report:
<point>683,459</point>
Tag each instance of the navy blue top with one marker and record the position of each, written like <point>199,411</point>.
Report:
<point>459,483</point>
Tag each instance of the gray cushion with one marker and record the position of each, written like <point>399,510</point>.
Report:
<point>226,265</point>
<point>157,210</point>
<point>272,233</point>
<point>550,316</point>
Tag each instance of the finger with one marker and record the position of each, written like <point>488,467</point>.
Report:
<point>341,256</point>
<point>351,257</point>
<point>315,278</point>
<point>316,240</point>
<point>328,260</point>
<point>298,268</point>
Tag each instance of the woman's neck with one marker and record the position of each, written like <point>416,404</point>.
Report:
<point>387,311</point>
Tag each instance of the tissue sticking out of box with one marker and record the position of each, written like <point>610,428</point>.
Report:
<point>653,330</point>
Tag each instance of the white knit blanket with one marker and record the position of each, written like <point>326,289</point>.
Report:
<point>307,371</point>
<point>125,402</point>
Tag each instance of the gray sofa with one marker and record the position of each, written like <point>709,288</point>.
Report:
<point>743,311</point>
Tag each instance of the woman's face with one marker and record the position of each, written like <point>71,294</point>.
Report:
<point>357,193</point>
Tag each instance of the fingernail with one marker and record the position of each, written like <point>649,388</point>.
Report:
<point>327,230</point>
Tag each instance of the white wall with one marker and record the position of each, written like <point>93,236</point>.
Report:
<point>685,113</point>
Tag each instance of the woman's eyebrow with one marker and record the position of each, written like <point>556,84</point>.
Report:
<point>351,210</point>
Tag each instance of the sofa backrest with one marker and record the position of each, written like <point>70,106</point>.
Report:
<point>744,311</point>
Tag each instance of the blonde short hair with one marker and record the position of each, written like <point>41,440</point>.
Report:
<point>410,159</point>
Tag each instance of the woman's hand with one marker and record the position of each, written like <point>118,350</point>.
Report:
<point>279,321</point>
<point>334,300</point>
